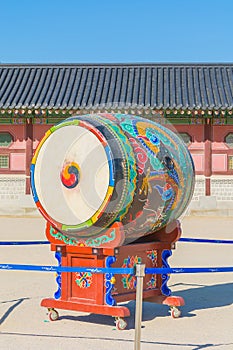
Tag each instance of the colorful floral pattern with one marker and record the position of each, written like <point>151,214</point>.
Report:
<point>152,254</point>
<point>152,282</point>
<point>83,279</point>
<point>129,281</point>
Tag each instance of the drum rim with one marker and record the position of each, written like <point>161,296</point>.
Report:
<point>95,217</point>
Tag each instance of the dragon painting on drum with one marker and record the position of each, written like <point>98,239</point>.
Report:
<point>92,171</point>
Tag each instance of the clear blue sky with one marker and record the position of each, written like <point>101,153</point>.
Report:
<point>92,31</point>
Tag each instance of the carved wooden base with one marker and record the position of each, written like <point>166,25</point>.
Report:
<point>115,311</point>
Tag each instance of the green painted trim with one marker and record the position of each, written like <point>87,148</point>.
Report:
<point>71,228</point>
<point>68,123</point>
<point>12,121</point>
<point>229,121</point>
<point>51,116</point>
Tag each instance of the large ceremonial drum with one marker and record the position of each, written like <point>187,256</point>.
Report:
<point>92,171</point>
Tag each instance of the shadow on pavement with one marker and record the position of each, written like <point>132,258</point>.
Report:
<point>11,308</point>
<point>205,297</point>
<point>197,298</point>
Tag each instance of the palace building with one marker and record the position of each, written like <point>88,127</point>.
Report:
<point>194,99</point>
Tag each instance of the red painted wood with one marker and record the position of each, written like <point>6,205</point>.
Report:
<point>29,151</point>
<point>195,131</point>
<point>174,301</point>
<point>207,187</point>
<point>170,301</point>
<point>132,295</point>
<point>207,147</point>
<point>208,155</point>
<point>87,293</point>
<point>115,311</point>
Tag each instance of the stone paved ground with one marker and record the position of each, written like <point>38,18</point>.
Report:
<point>207,316</point>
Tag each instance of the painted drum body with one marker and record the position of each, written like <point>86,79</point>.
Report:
<point>92,171</point>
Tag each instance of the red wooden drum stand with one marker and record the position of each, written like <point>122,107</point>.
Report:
<point>102,293</point>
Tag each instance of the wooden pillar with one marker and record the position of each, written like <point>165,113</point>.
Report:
<point>29,151</point>
<point>208,155</point>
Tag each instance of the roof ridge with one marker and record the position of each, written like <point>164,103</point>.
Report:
<point>121,64</point>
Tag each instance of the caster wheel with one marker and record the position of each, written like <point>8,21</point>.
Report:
<point>121,324</point>
<point>175,312</point>
<point>53,315</point>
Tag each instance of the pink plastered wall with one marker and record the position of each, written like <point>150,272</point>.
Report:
<point>18,134</point>
<point>16,150</point>
<point>39,132</point>
<point>196,148</point>
<point>220,150</point>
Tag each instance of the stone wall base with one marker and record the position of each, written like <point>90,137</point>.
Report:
<point>210,206</point>
<point>23,206</point>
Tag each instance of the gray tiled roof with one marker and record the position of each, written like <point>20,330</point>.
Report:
<point>93,86</point>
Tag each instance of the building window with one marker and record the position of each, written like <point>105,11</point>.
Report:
<point>229,140</point>
<point>186,138</point>
<point>230,163</point>
<point>5,139</point>
<point>4,161</point>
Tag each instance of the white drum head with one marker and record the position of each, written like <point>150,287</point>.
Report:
<point>72,175</point>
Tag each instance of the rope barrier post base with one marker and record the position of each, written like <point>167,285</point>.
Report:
<point>140,274</point>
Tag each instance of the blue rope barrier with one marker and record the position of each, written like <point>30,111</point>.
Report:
<point>163,270</point>
<point>24,242</point>
<point>200,240</point>
<point>113,270</point>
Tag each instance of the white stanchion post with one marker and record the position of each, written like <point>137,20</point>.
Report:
<point>140,274</point>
